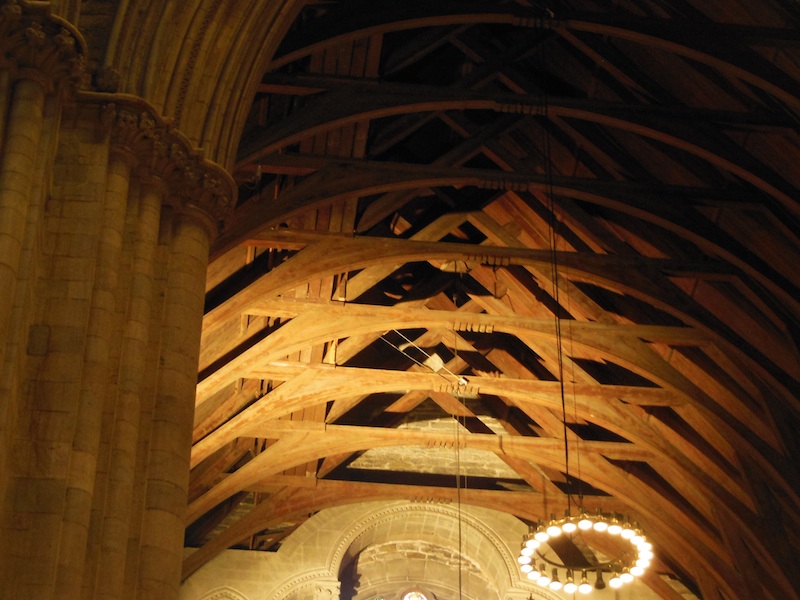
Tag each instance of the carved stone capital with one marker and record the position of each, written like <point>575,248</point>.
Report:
<point>38,45</point>
<point>327,590</point>
<point>194,185</point>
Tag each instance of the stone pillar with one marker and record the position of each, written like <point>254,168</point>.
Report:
<point>95,384</point>
<point>43,58</point>
<point>181,197</point>
<point>17,170</point>
<point>106,389</point>
<point>125,438</point>
<point>40,67</point>
<point>170,443</point>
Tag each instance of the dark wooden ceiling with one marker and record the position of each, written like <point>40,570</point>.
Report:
<point>434,190</point>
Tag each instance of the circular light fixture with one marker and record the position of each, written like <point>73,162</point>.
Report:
<point>631,562</point>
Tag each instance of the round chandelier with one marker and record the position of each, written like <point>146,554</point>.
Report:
<point>539,561</point>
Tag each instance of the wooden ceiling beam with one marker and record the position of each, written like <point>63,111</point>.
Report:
<point>396,16</point>
<point>218,378</point>
<point>713,46</point>
<point>312,384</point>
<point>329,254</point>
<point>300,446</point>
<point>672,207</point>
<point>343,176</point>
<point>295,496</point>
<point>709,327</point>
<point>348,103</point>
<point>611,417</point>
<point>312,326</point>
<point>299,443</point>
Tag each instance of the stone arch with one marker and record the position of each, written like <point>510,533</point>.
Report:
<point>225,593</point>
<point>325,547</point>
<point>307,585</point>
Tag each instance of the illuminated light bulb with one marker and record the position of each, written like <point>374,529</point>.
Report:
<point>615,581</point>
<point>626,576</point>
<point>600,526</point>
<point>541,536</point>
<point>569,527</point>
<point>615,528</point>
<point>627,531</point>
<point>646,555</point>
<point>526,551</point>
<point>636,540</point>
<point>643,563</point>
<point>585,587</point>
<point>532,543</point>
<point>637,571</point>
<point>555,584</point>
<point>570,586</point>
<point>585,523</point>
<point>524,560</point>
<point>526,568</point>
<point>554,530</point>
<point>533,575</point>
<point>543,580</point>
<point>645,547</point>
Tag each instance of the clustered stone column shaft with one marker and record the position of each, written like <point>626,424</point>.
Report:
<point>170,445</point>
<point>40,63</point>
<point>25,117</point>
<point>97,404</point>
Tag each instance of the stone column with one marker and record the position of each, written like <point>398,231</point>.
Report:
<point>44,58</point>
<point>181,197</point>
<point>42,61</point>
<point>170,442</point>
<point>95,384</point>
<point>24,129</point>
<point>125,437</point>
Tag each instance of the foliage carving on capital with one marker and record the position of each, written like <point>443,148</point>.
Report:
<point>328,590</point>
<point>160,152</point>
<point>38,44</point>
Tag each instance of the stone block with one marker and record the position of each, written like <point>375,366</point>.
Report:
<point>38,495</point>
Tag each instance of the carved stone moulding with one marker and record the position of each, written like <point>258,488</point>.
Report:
<point>36,44</point>
<point>162,155</point>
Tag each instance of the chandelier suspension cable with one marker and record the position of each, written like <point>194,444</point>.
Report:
<point>460,397</point>
<point>557,310</point>
<point>458,500</point>
<point>538,558</point>
<point>575,410</point>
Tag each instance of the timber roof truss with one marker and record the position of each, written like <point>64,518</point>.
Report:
<point>432,191</point>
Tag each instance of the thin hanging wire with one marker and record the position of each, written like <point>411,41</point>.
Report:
<point>460,383</point>
<point>575,405</point>
<point>458,379</point>
<point>553,243</point>
<point>460,397</point>
<point>458,505</point>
